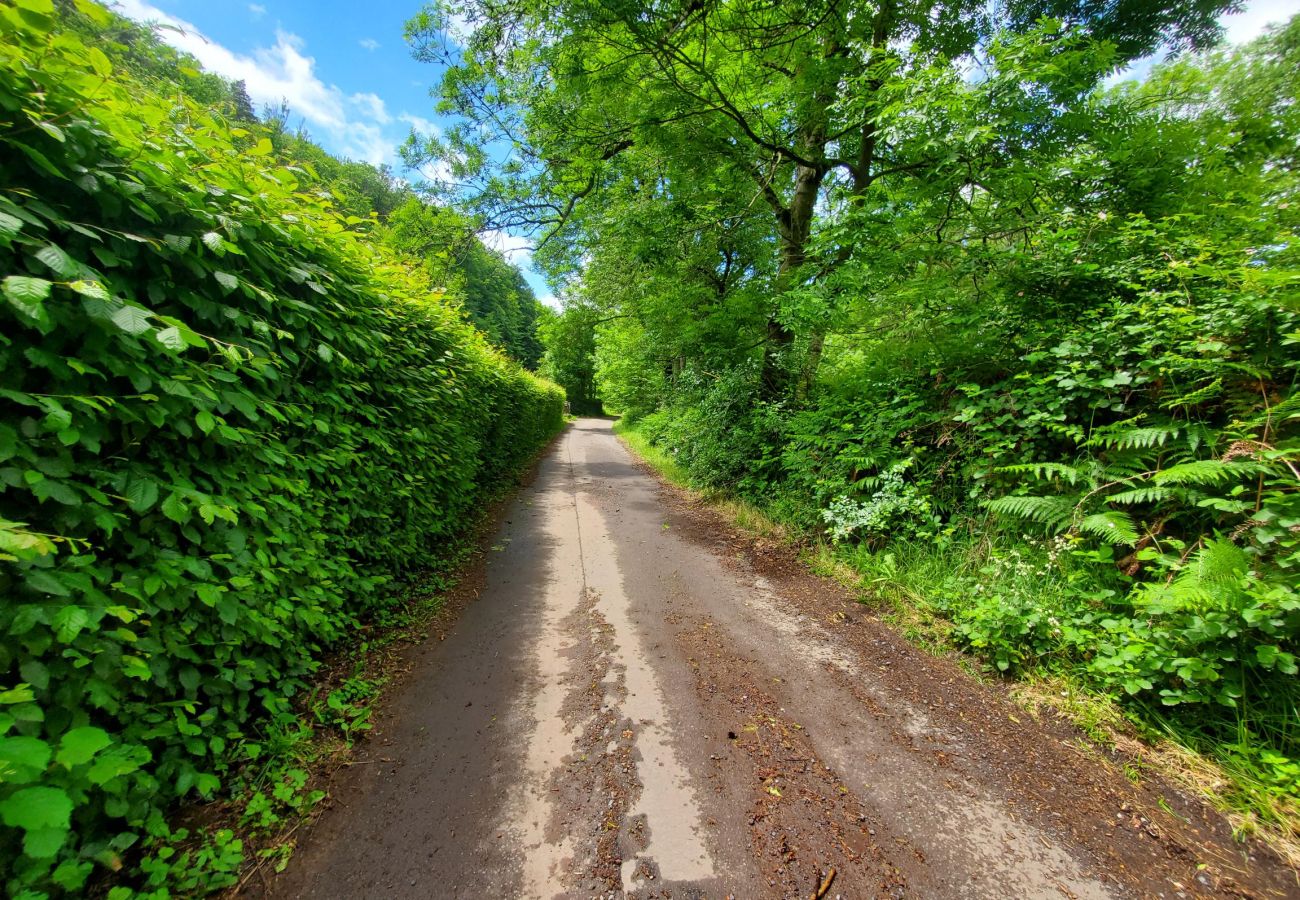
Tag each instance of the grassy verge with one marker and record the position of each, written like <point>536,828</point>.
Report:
<point>922,590</point>
<point>743,514</point>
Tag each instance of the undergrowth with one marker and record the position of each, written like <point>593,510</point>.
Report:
<point>1010,604</point>
<point>1017,604</point>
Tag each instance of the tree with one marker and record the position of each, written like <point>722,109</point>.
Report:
<point>570,358</point>
<point>493,293</point>
<point>560,91</point>
<point>243,104</point>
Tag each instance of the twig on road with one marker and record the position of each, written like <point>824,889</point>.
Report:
<point>825,885</point>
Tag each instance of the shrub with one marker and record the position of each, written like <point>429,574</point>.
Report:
<point>229,424</point>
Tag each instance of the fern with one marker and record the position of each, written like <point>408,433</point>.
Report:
<point>1219,563</point>
<point>1145,494</point>
<point>1113,527</point>
<point>1200,395</point>
<point>1054,512</point>
<point>1284,411</point>
<point>1211,579</point>
<point>1045,470</point>
<point>1067,429</point>
<point>1134,438</point>
<point>1198,472</point>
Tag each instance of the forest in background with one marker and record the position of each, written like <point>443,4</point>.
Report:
<point>1016,345</point>
<point>252,398</point>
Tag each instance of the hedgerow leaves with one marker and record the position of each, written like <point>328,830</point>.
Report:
<point>229,426</point>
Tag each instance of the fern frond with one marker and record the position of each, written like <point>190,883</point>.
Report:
<point>1134,438</point>
<point>1128,466</point>
<point>1198,435</point>
<point>1200,395</point>
<point>1066,429</point>
<point>1113,527</point>
<point>1219,562</point>
<point>1284,411</point>
<point>1166,597</point>
<point>1044,470</point>
<point>1054,512</point>
<point>1145,494</point>
<point>1198,472</point>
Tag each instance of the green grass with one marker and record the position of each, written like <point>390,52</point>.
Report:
<point>663,463</point>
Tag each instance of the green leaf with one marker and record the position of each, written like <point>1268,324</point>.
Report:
<point>35,673</point>
<point>99,62</point>
<point>89,289</point>
<point>174,508</point>
<point>54,257</point>
<point>227,281</point>
<point>94,12</point>
<point>205,421</point>
<point>44,843</point>
<point>72,874</point>
<point>27,295</point>
<point>80,745</point>
<point>178,242</point>
<point>46,582</point>
<point>141,493</point>
<point>21,693</point>
<point>131,319</point>
<point>213,241</point>
<point>52,130</point>
<point>187,334</point>
<point>116,761</point>
<point>189,678</point>
<point>35,808</point>
<point>171,338</point>
<point>9,225</point>
<point>68,622</point>
<point>23,759</point>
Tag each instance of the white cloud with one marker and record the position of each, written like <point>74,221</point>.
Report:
<point>271,73</point>
<point>552,301</point>
<point>516,249</point>
<point>352,125</point>
<point>460,29</point>
<point>436,173</point>
<point>257,9</point>
<point>369,43</point>
<point>420,125</point>
<point>372,104</point>
<point>1255,17</point>
<point>367,143</point>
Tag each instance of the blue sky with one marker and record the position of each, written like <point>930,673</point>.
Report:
<point>348,76</point>
<point>342,65</point>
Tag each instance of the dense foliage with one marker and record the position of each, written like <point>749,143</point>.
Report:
<point>912,277</point>
<point>491,291</point>
<point>230,424</point>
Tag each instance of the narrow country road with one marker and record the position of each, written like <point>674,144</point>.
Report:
<point>642,703</point>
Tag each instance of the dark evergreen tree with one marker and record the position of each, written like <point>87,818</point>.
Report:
<point>242,103</point>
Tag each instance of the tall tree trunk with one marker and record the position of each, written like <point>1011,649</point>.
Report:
<point>794,226</point>
<point>863,175</point>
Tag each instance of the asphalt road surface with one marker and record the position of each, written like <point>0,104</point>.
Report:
<point>641,702</point>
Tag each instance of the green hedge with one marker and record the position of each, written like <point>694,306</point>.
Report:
<point>228,425</point>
